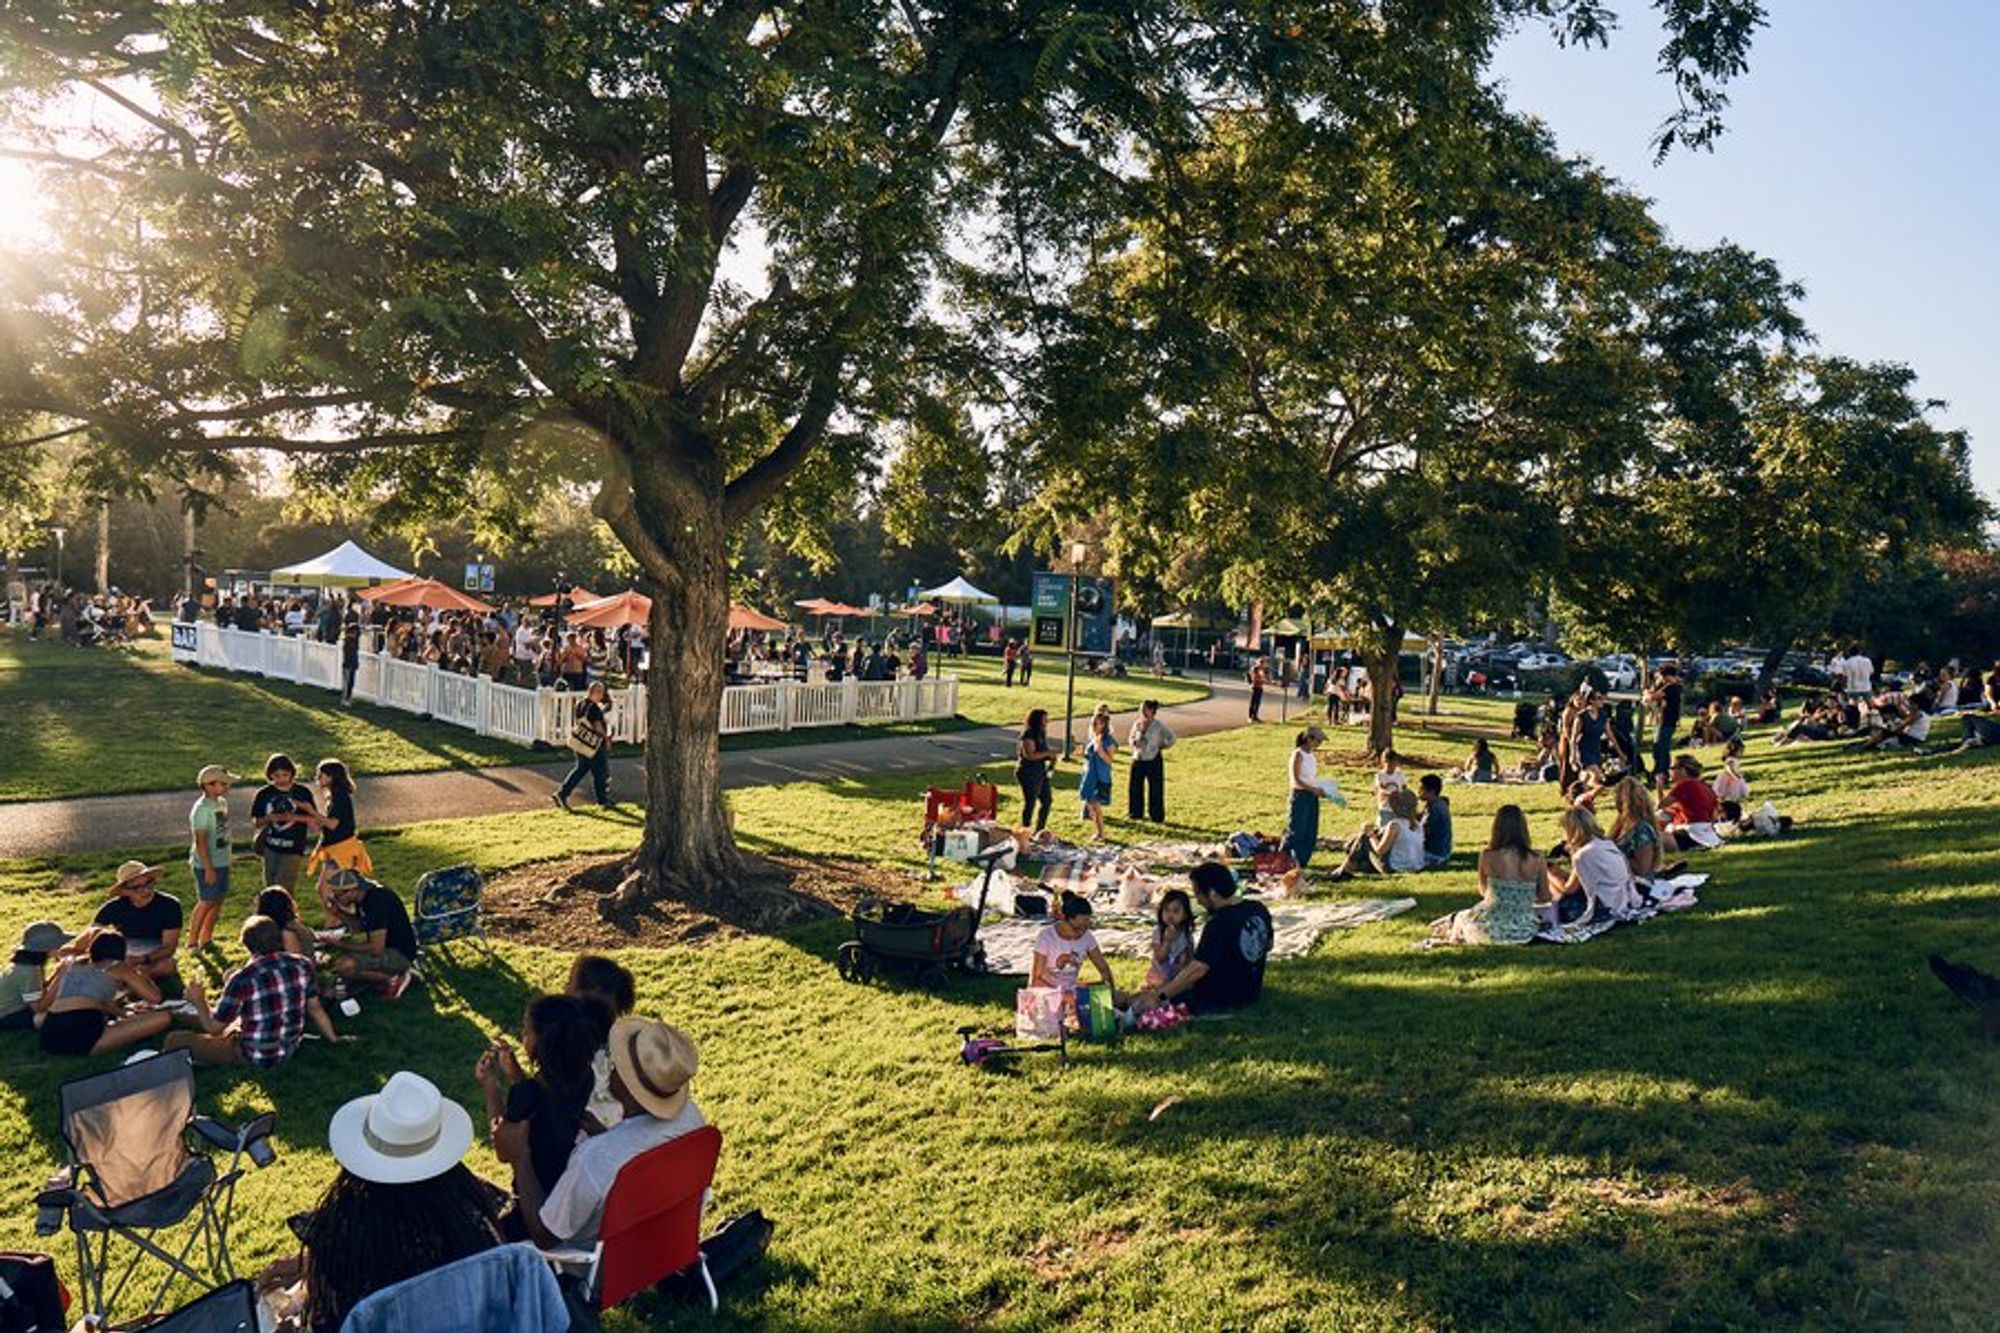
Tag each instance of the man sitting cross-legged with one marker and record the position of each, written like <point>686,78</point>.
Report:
<point>149,920</point>
<point>261,1018</point>
<point>380,946</point>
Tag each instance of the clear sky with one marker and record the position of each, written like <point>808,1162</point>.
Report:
<point>1863,154</point>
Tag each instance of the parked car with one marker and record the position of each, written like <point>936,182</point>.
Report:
<point>1543,661</point>
<point>1621,670</point>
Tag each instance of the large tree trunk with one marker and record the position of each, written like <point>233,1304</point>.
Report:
<point>1772,661</point>
<point>1381,658</point>
<point>682,542</point>
<point>102,567</point>
<point>189,523</point>
<point>1437,675</point>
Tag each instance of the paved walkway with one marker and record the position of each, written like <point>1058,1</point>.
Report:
<point>159,819</point>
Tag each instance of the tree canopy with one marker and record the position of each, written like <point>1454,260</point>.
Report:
<point>447,254</point>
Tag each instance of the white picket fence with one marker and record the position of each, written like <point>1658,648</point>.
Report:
<point>528,716</point>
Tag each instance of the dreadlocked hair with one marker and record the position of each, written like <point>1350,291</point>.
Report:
<point>365,1236</point>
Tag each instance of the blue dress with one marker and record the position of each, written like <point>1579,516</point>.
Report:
<point>1095,784</point>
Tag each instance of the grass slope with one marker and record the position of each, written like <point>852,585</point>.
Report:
<point>102,721</point>
<point>1759,1114</point>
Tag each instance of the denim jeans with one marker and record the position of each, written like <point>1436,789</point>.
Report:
<point>597,767</point>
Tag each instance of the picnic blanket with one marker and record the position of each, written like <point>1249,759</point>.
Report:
<point>1295,927</point>
<point>1662,895</point>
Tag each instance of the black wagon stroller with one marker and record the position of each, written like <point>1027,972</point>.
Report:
<point>893,936</point>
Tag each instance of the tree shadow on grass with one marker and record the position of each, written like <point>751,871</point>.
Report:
<point>1582,1145</point>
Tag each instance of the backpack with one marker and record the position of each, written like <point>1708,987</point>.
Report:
<point>731,1248</point>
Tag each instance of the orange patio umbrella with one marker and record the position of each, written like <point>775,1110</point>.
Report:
<point>577,597</point>
<point>625,608</point>
<point>920,609</point>
<point>424,592</point>
<point>742,617</point>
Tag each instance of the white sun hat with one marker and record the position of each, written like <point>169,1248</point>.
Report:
<point>405,1133</point>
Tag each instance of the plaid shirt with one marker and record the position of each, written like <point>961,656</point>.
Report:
<point>268,996</point>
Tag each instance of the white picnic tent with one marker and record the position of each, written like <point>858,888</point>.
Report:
<point>958,590</point>
<point>345,566</point>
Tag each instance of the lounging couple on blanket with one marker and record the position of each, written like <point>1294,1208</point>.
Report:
<point>1519,889</point>
<point>1224,969</point>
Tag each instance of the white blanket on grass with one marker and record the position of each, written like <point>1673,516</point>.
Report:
<point>1295,927</point>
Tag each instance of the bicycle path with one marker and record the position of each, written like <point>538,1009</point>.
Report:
<point>83,825</point>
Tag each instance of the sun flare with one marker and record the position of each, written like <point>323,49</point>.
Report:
<point>20,205</point>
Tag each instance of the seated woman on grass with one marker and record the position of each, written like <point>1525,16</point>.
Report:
<point>1820,720</point>
<point>1636,828</point>
<point>1511,874</point>
<point>1479,766</point>
<point>1598,883</point>
<point>1392,848</point>
<point>1907,731</point>
<point>83,1008</point>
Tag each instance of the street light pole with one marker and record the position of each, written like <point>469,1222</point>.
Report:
<point>1077,551</point>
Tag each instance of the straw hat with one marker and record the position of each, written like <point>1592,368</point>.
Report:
<point>405,1133</point>
<point>213,773</point>
<point>654,1062</point>
<point>131,870</point>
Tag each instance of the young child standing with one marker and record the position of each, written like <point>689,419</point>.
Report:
<point>209,852</point>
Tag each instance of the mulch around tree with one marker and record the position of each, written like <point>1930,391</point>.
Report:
<point>555,904</point>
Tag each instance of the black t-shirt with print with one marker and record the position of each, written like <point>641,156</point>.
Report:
<point>1235,942</point>
<point>151,922</point>
<point>286,839</point>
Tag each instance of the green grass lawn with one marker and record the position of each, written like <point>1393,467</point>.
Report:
<point>1759,1114</point>
<point>95,722</point>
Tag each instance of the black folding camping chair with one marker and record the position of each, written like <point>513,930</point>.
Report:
<point>227,1309</point>
<point>134,1174</point>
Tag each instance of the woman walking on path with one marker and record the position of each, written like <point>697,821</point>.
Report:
<point>592,724</point>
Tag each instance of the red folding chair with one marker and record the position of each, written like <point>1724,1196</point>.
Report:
<point>982,800</point>
<point>652,1220</point>
<point>944,807</point>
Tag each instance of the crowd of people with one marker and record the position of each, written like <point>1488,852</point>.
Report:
<point>833,656</point>
<point>1148,738</point>
<point>525,646</point>
<point>86,620</point>
<point>590,1086</point>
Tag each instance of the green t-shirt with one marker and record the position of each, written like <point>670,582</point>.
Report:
<point>17,983</point>
<point>209,822</point>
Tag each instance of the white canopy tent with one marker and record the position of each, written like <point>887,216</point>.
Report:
<point>958,590</point>
<point>345,566</point>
